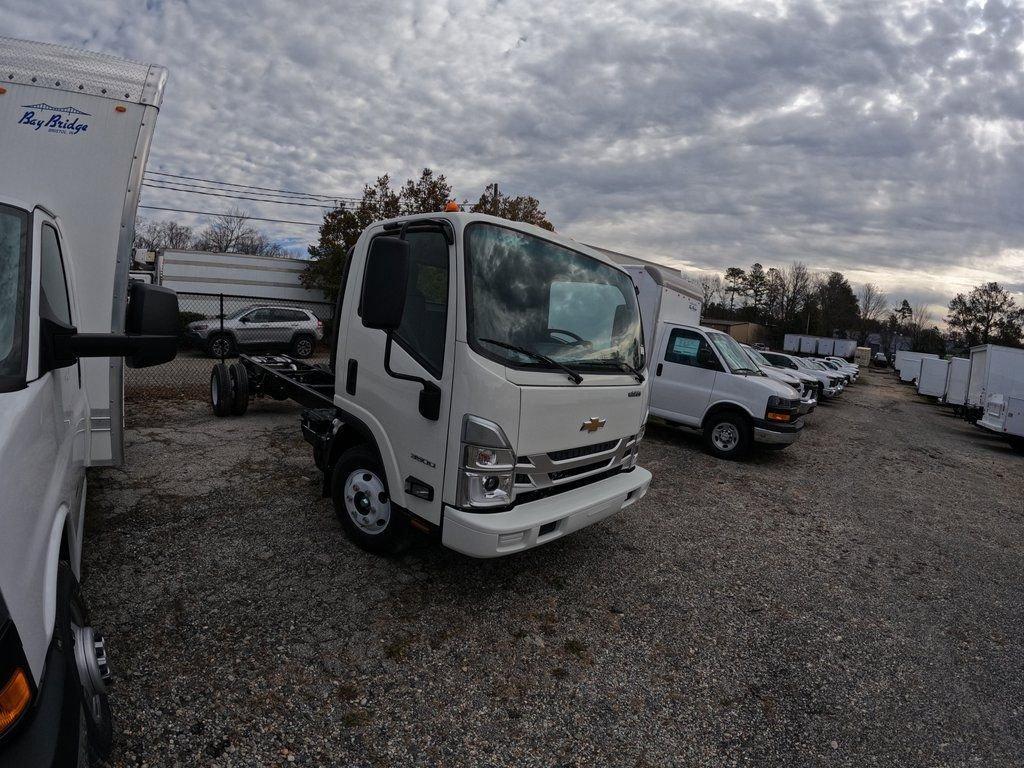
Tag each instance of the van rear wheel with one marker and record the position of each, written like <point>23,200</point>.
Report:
<point>728,436</point>
<point>359,490</point>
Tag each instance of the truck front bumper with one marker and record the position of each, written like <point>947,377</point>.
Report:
<point>483,534</point>
<point>768,433</point>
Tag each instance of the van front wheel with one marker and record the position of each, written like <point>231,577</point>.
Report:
<point>728,436</point>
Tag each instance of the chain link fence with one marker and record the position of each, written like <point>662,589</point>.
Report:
<point>211,326</point>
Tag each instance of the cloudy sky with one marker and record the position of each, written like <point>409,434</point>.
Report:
<point>882,139</point>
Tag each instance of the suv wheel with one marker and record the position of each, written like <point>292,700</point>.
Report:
<point>220,345</point>
<point>302,346</point>
<point>728,436</point>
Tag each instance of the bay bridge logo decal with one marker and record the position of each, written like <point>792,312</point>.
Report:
<point>65,120</point>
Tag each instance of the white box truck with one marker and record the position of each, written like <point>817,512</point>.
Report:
<point>958,375</point>
<point>703,379</point>
<point>995,370</point>
<point>486,386</point>
<point>1004,415</point>
<point>846,349</point>
<point>808,345</point>
<point>932,380</point>
<point>75,131</point>
<point>826,347</point>
<point>791,343</point>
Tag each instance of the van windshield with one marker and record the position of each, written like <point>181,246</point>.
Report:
<point>733,354</point>
<point>532,293</point>
<point>13,263</point>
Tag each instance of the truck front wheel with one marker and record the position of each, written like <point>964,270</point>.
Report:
<point>728,435</point>
<point>362,503</point>
<point>88,728</point>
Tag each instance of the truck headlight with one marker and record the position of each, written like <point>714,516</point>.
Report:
<point>488,465</point>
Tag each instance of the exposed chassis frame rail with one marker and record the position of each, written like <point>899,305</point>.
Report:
<point>286,378</point>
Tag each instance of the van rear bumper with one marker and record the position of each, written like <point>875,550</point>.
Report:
<point>482,534</point>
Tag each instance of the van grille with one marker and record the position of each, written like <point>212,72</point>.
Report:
<point>586,450</point>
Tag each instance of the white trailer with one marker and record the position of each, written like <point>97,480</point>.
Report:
<point>75,131</point>
<point>995,370</point>
<point>908,364</point>
<point>234,274</point>
<point>791,343</point>
<point>826,347</point>
<point>808,345</point>
<point>932,380</point>
<point>847,348</point>
<point>958,375</point>
<point>664,296</point>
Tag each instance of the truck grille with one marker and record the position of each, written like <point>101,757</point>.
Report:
<point>545,471</point>
<point>586,450</point>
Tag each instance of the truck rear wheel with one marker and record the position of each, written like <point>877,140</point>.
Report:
<point>362,503</point>
<point>220,390</point>
<point>239,389</point>
<point>728,435</point>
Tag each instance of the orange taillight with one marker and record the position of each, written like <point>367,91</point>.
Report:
<point>14,699</point>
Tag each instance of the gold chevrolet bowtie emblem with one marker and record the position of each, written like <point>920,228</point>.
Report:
<point>592,424</point>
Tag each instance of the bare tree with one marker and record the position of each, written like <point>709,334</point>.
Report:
<point>873,302</point>
<point>232,233</point>
<point>162,235</point>
<point>799,287</point>
<point>710,288</point>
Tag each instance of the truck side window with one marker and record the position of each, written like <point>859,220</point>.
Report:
<point>684,348</point>
<point>425,322</point>
<point>53,288</point>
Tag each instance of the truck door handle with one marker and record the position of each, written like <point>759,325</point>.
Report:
<point>657,371</point>
<point>350,378</point>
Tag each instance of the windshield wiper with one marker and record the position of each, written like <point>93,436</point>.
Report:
<point>573,376</point>
<point>624,366</point>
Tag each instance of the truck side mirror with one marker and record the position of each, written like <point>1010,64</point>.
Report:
<point>706,359</point>
<point>382,302</point>
<point>150,338</point>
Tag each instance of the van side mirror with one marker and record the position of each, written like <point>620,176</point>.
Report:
<point>150,337</point>
<point>382,302</point>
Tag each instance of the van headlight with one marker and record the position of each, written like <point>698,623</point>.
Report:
<point>487,467</point>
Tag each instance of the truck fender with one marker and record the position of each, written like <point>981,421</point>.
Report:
<point>58,547</point>
<point>350,433</point>
<point>722,407</point>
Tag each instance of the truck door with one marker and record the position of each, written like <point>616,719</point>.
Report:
<point>420,348</point>
<point>684,377</point>
<point>68,406</point>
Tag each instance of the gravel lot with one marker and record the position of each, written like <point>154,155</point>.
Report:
<point>853,600</point>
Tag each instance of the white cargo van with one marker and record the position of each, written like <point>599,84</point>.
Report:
<point>75,130</point>
<point>804,384</point>
<point>932,380</point>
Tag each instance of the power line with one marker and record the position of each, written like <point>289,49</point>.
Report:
<point>229,215</point>
<point>297,196</point>
<point>236,197</point>
<point>250,186</point>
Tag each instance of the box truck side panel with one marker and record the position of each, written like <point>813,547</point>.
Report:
<point>81,154</point>
<point>979,375</point>
<point>808,345</point>
<point>235,274</point>
<point>848,348</point>
<point>1006,372</point>
<point>932,381</point>
<point>791,343</point>
<point>956,382</point>
<point>826,346</point>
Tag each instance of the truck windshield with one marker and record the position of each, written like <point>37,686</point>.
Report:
<point>733,354</point>
<point>543,297</point>
<point>13,263</point>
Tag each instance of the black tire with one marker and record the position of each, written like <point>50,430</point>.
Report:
<point>359,466</point>
<point>239,389</point>
<point>220,345</point>
<point>303,345</point>
<point>81,702</point>
<point>728,435</point>
<point>1017,443</point>
<point>220,390</point>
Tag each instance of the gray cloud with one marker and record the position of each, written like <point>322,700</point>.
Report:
<point>880,138</point>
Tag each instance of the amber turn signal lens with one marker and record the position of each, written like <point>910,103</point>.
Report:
<point>451,207</point>
<point>772,416</point>
<point>2,90</point>
<point>120,108</point>
<point>14,699</point>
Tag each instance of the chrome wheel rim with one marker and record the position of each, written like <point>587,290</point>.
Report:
<point>725,436</point>
<point>367,502</point>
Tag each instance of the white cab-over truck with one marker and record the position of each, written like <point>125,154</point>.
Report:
<point>75,130</point>
<point>485,386</point>
<point>702,379</point>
